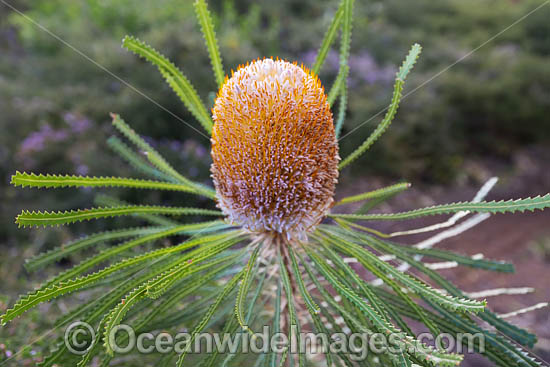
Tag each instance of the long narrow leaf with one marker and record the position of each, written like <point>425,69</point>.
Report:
<point>367,259</point>
<point>493,207</point>
<point>245,286</point>
<point>45,258</point>
<point>229,287</point>
<point>136,161</point>
<point>330,35</point>
<point>174,77</point>
<point>388,190</point>
<point>59,181</point>
<point>111,201</point>
<point>294,323</point>
<point>63,286</point>
<point>336,87</point>
<point>207,28</point>
<point>412,346</point>
<point>156,159</point>
<point>27,218</point>
<point>392,109</point>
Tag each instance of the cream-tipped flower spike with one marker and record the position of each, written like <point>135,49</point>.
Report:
<point>274,150</point>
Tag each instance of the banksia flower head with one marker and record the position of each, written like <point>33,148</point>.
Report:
<point>274,150</point>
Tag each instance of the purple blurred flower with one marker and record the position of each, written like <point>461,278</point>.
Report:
<point>363,67</point>
<point>77,124</point>
<point>82,169</point>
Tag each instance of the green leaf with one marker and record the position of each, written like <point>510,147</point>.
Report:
<point>330,35</point>
<point>186,287</point>
<point>381,324</point>
<point>207,28</point>
<point>337,85</point>
<point>245,286</point>
<point>291,305</point>
<point>415,285</point>
<point>392,109</point>
<point>347,20</point>
<point>486,264</point>
<point>120,248</point>
<point>509,350</point>
<point>512,331</point>
<point>111,201</point>
<point>330,300</point>
<point>493,207</point>
<point>341,111</point>
<point>341,84</point>
<point>161,286</point>
<point>59,181</point>
<point>136,161</point>
<point>156,159</point>
<point>177,271</point>
<point>39,261</point>
<point>174,77</point>
<point>412,346</point>
<point>276,322</point>
<point>229,287</point>
<point>312,307</point>
<point>27,218</point>
<point>62,286</point>
<point>373,299</point>
<point>229,328</point>
<point>384,191</point>
<point>355,279</point>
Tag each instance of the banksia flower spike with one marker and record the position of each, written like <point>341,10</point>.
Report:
<point>275,254</point>
<point>274,151</point>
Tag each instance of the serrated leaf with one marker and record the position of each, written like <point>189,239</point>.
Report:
<point>59,181</point>
<point>415,285</point>
<point>293,320</point>
<point>411,346</point>
<point>207,28</point>
<point>336,87</point>
<point>392,109</point>
<point>384,191</point>
<point>229,287</point>
<point>308,300</point>
<point>519,335</point>
<point>174,77</point>
<point>38,261</point>
<point>341,84</point>
<point>136,161</point>
<point>161,286</point>
<point>245,286</point>
<point>36,219</point>
<point>156,159</point>
<point>493,207</point>
<point>342,106</point>
<point>515,354</point>
<point>111,201</point>
<point>60,285</point>
<point>328,39</point>
<point>487,264</point>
